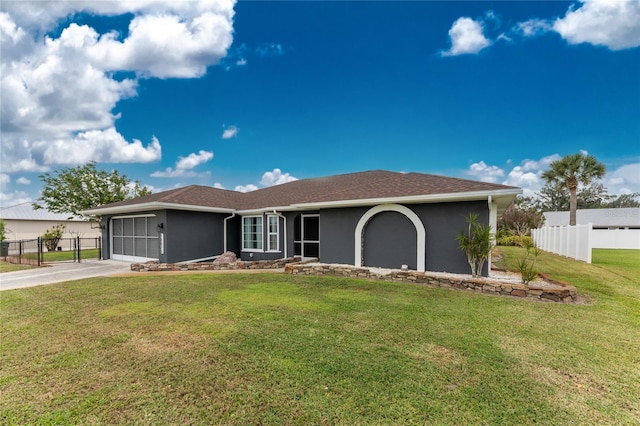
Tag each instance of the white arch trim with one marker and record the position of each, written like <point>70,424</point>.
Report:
<point>420,231</point>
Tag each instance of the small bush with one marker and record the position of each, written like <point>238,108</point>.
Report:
<point>514,240</point>
<point>526,265</point>
<point>52,237</point>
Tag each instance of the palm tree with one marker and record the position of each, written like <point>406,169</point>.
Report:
<point>570,170</point>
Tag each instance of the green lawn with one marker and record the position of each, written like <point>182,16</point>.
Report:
<point>277,349</point>
<point>57,256</point>
<point>10,267</point>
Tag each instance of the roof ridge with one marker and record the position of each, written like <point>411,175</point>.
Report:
<point>175,191</point>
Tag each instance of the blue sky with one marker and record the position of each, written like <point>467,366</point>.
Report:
<point>250,94</point>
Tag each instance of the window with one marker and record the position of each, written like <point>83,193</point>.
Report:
<point>252,233</point>
<point>272,233</point>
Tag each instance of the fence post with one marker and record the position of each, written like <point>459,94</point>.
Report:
<point>78,248</point>
<point>589,241</point>
<point>99,248</point>
<point>40,256</point>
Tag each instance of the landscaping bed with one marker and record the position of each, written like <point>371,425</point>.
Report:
<point>544,288</point>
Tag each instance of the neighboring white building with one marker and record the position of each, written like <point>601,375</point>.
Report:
<point>624,218</point>
<point>25,223</point>
<point>609,228</point>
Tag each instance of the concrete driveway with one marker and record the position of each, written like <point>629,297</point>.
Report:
<point>59,272</point>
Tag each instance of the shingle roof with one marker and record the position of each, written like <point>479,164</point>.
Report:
<point>377,184</point>
<point>362,186</point>
<point>192,195</point>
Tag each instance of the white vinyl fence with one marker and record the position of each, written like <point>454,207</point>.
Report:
<point>577,241</point>
<point>570,241</point>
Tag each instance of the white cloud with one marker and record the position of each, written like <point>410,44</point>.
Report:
<point>23,180</point>
<point>184,165</point>
<point>466,37</point>
<point>623,180</point>
<point>532,27</point>
<point>98,145</point>
<point>8,197</point>
<point>611,23</point>
<point>526,175</point>
<point>245,188</point>
<point>484,172</point>
<point>193,160</point>
<point>614,24</point>
<point>58,92</point>
<point>529,181</point>
<point>276,177</point>
<point>230,132</point>
<point>218,185</point>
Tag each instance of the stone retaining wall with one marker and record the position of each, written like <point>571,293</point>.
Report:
<point>213,266</point>
<point>557,292</point>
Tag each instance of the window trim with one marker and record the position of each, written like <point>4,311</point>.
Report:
<point>259,234</point>
<point>276,233</point>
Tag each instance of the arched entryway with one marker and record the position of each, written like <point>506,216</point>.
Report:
<point>381,235</point>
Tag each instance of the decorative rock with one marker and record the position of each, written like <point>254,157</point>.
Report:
<point>226,257</point>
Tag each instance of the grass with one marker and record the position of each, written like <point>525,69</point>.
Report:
<point>277,349</point>
<point>11,267</point>
<point>58,256</point>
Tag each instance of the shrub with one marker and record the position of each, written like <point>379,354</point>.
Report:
<point>514,240</point>
<point>52,237</point>
<point>526,265</point>
<point>476,243</point>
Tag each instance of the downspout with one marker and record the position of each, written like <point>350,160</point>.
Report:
<point>225,230</point>
<point>285,231</point>
<point>493,225</point>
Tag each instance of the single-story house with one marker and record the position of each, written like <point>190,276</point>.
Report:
<point>23,222</point>
<point>372,218</point>
<point>620,218</point>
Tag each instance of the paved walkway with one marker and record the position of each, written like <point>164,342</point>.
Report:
<point>59,272</point>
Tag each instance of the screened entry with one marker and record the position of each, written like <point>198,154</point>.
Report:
<point>306,239</point>
<point>134,238</point>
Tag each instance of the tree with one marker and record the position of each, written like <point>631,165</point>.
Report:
<point>520,218</point>
<point>553,198</point>
<point>624,200</point>
<point>476,243</point>
<point>3,230</point>
<point>572,170</point>
<point>74,189</point>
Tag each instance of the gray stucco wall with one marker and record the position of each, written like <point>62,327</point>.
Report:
<point>192,235</point>
<point>442,222</point>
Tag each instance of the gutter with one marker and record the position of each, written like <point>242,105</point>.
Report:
<point>225,230</point>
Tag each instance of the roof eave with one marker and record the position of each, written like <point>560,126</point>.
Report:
<point>507,194</point>
<point>145,207</point>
